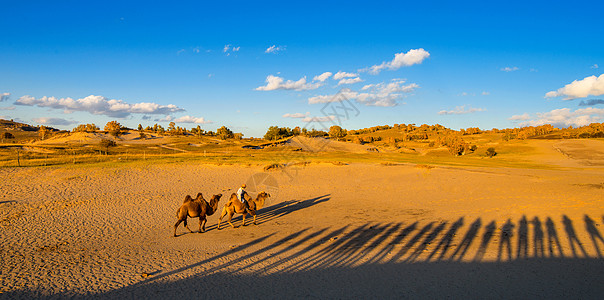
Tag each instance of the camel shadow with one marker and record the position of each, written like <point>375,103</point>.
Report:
<point>8,201</point>
<point>278,210</point>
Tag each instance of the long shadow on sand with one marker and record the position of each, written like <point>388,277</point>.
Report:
<point>269,213</point>
<point>394,260</point>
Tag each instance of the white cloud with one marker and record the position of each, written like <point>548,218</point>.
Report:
<point>341,75</point>
<point>588,86</point>
<point>296,115</point>
<point>190,119</point>
<point>412,57</point>
<point>564,117</point>
<point>228,49</point>
<point>522,117</point>
<point>8,108</point>
<point>380,94</point>
<point>595,66</point>
<point>4,97</point>
<point>510,69</point>
<point>461,110</point>
<point>274,49</point>
<point>277,83</point>
<point>350,80</point>
<point>322,77</point>
<point>485,93</point>
<point>52,121</point>
<point>99,105</point>
<point>319,119</point>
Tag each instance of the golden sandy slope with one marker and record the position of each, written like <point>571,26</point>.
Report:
<point>353,231</point>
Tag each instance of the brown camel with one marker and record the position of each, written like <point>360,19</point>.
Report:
<point>196,208</point>
<point>235,206</point>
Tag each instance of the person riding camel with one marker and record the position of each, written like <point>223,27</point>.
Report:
<point>240,195</point>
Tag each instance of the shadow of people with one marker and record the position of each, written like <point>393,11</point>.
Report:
<point>507,231</point>
<point>445,242</point>
<point>412,242</point>
<point>489,231</point>
<point>522,248</point>
<point>552,238</point>
<point>538,249</point>
<point>426,242</point>
<point>594,233</point>
<point>572,236</point>
<point>467,240</point>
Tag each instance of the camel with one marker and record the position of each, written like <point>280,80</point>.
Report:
<point>196,208</point>
<point>235,206</point>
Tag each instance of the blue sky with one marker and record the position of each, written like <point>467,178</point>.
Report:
<point>470,64</point>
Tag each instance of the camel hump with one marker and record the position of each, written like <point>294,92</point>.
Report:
<point>188,199</point>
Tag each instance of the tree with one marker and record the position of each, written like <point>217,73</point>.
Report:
<point>114,128</point>
<point>336,132</point>
<point>276,133</point>
<point>105,143</point>
<point>171,127</point>
<point>43,132</point>
<point>140,127</point>
<point>224,133</point>
<point>491,152</point>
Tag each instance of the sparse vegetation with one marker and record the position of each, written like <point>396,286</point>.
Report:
<point>336,132</point>
<point>106,143</point>
<point>114,128</point>
<point>224,133</point>
<point>491,152</point>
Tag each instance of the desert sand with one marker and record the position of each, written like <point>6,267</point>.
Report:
<point>328,231</point>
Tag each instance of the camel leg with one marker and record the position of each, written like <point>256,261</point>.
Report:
<point>244,214</point>
<point>187,226</point>
<point>224,212</point>
<point>255,219</point>
<point>230,218</point>
<point>176,226</point>
<point>202,226</point>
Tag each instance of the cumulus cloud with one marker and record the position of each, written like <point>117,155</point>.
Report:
<point>381,94</point>
<point>595,66</point>
<point>588,86</point>
<point>485,93</point>
<point>522,117</point>
<point>341,75</point>
<point>190,119</point>
<point>274,49</point>
<point>99,105</point>
<point>228,49</point>
<point>510,69</point>
<point>278,83</point>
<point>53,121</point>
<point>412,57</point>
<point>350,80</point>
<point>322,77</point>
<point>564,117</point>
<point>4,97</point>
<point>296,115</point>
<point>591,102</point>
<point>461,110</point>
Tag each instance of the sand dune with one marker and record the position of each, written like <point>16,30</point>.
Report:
<point>360,230</point>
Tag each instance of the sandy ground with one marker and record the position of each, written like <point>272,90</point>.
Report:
<point>354,231</point>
